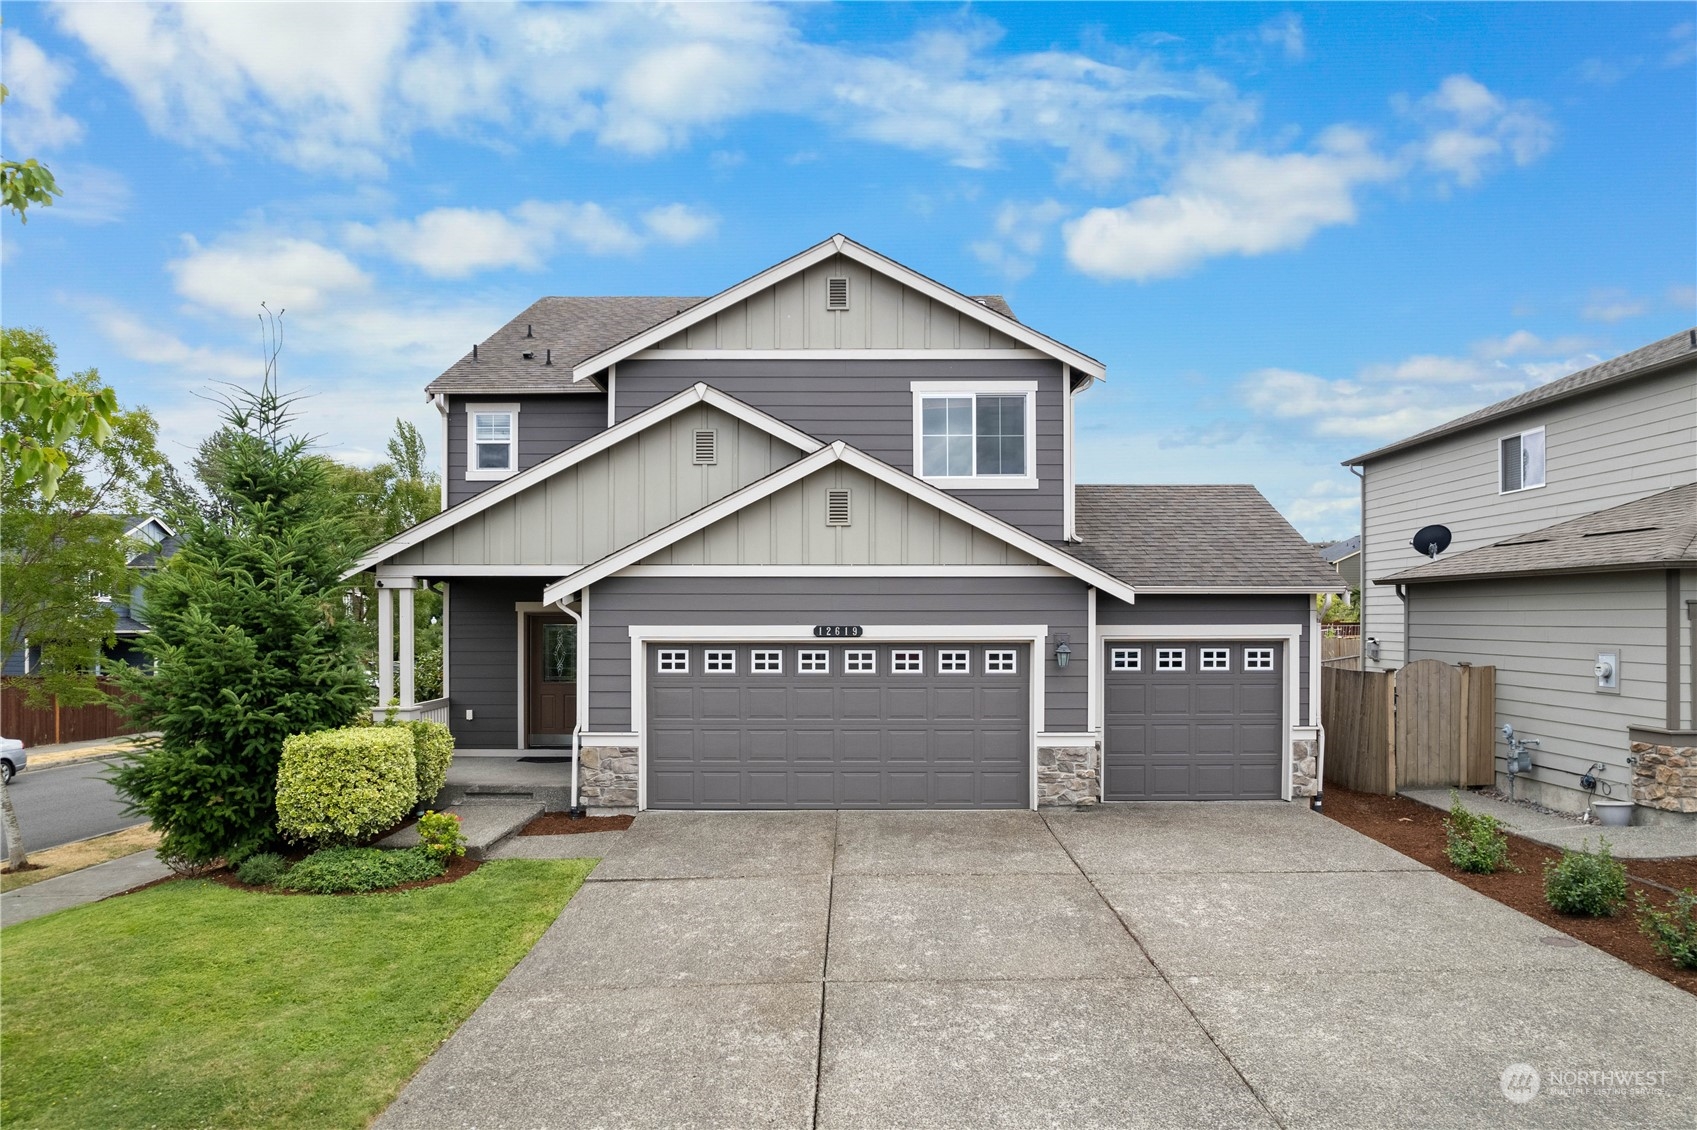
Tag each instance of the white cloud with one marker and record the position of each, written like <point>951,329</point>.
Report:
<point>35,81</point>
<point>1612,306</point>
<point>679,224</point>
<point>1683,297</point>
<point>140,340</point>
<point>1470,128</point>
<point>1522,343</point>
<point>1285,32</point>
<point>1682,38</point>
<point>233,276</point>
<point>92,194</point>
<point>1233,203</point>
<point>1021,231</point>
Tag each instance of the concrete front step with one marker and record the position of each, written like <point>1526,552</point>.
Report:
<point>484,825</point>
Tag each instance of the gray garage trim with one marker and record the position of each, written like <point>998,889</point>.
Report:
<point>1193,733</point>
<point>742,725</point>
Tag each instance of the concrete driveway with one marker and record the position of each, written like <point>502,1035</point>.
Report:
<point>1218,965</point>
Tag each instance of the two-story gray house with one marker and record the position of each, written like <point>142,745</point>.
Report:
<point>814,542</point>
<point>1572,569</point>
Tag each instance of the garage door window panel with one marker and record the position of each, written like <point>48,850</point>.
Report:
<point>814,662</point>
<point>954,662</point>
<point>860,662</point>
<point>766,662</point>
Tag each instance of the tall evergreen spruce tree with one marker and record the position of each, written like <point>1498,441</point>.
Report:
<point>249,628</point>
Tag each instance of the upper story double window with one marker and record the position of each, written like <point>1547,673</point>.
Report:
<point>492,442</point>
<point>975,434</point>
<point>1520,461</point>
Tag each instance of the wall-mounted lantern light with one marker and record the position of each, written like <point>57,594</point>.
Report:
<point>1063,652</point>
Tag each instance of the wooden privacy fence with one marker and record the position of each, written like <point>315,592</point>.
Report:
<point>1345,651</point>
<point>1427,724</point>
<point>53,724</point>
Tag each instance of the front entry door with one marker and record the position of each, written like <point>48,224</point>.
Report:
<point>551,675</point>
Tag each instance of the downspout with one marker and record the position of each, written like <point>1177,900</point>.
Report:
<point>576,811</point>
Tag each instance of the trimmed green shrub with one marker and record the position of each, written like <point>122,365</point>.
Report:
<point>263,869</point>
<point>1585,883</point>
<point>341,786</point>
<point>1475,842</point>
<point>1673,929</point>
<point>350,870</point>
<point>433,748</point>
<point>440,834</point>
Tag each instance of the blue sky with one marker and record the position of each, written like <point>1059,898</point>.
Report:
<point>1291,232</point>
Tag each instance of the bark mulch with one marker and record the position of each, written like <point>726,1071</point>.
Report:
<point>1417,830</point>
<point>559,824</point>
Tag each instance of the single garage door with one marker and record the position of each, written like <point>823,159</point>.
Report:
<point>838,726</point>
<point>1193,721</point>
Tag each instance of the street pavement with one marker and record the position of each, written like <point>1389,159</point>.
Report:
<point>58,804</point>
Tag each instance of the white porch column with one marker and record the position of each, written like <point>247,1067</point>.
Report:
<point>385,645</point>
<point>408,665</point>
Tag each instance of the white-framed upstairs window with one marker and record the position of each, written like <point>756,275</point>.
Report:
<point>975,434</point>
<point>1520,461</point>
<point>492,442</point>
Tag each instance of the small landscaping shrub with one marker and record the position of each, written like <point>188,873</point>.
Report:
<point>341,786</point>
<point>263,869</point>
<point>1673,929</point>
<point>440,835</point>
<point>1475,842</point>
<point>1585,883</point>
<point>433,748</point>
<point>345,870</point>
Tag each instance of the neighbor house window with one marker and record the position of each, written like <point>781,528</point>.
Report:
<point>674,662</point>
<point>954,662</point>
<point>1126,659</point>
<point>907,662</point>
<point>860,662</point>
<point>975,435</point>
<point>1521,461</point>
<point>1001,662</point>
<point>767,663</point>
<point>1216,659</point>
<point>1257,659</point>
<point>492,441</point>
<point>813,662</point>
<point>1169,659</point>
<point>721,663</point>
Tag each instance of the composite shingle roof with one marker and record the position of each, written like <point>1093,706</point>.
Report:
<point>1628,366</point>
<point>1338,550</point>
<point>1214,538</point>
<point>560,332</point>
<point>1656,532</point>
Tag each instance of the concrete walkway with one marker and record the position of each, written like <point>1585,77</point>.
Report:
<point>1222,965</point>
<point>1635,842</point>
<point>91,884</point>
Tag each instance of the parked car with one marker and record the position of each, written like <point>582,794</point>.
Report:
<point>12,758</point>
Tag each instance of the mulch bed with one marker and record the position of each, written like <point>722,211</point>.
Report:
<point>1417,830</point>
<point>559,824</point>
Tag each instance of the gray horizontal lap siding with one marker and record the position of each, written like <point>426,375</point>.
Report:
<point>1221,609</point>
<point>869,404</point>
<point>620,602</point>
<point>483,659</point>
<point>547,425</point>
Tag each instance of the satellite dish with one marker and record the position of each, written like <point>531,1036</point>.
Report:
<point>1431,540</point>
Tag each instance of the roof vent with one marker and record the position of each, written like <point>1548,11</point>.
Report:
<point>837,507</point>
<point>836,294</point>
<point>706,447</point>
<point>529,355</point>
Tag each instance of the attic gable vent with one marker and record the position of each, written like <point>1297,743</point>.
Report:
<point>836,294</point>
<point>837,507</point>
<point>706,447</point>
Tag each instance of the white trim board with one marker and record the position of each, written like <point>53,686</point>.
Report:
<point>840,355</point>
<point>641,635</point>
<point>841,571</point>
<point>839,451</point>
<point>849,249</point>
<point>507,488</point>
<point>1288,634</point>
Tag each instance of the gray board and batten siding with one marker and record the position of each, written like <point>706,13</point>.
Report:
<point>638,486</point>
<point>483,647</point>
<point>547,425</point>
<point>1219,610</point>
<point>869,405</point>
<point>618,603</point>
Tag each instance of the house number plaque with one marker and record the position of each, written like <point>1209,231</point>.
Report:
<point>838,631</point>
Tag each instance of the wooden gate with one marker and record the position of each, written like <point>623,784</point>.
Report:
<point>1427,724</point>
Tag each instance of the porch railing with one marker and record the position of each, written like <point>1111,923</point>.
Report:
<point>435,710</point>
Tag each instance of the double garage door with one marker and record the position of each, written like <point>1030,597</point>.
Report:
<point>921,725</point>
<point>1184,720</point>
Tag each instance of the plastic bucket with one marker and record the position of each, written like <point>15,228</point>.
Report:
<point>1613,813</point>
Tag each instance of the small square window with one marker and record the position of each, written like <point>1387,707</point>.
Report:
<point>1001,662</point>
<point>954,662</point>
<point>1257,659</point>
<point>1169,659</point>
<point>492,441</point>
<point>1521,461</point>
<point>1216,659</point>
<point>907,662</point>
<point>674,662</point>
<point>767,663</point>
<point>721,663</point>
<point>1126,659</point>
<point>813,662</point>
<point>860,662</point>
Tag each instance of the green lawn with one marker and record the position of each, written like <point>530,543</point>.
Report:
<point>191,1004</point>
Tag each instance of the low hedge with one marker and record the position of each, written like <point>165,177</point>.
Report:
<point>433,747</point>
<point>341,786</point>
<point>355,870</point>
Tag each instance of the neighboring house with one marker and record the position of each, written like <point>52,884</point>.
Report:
<point>814,542</point>
<point>151,541</point>
<point>1571,569</point>
<point>1345,557</point>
